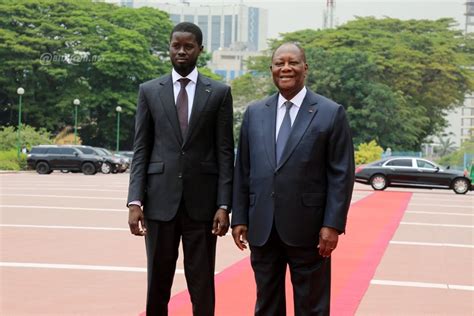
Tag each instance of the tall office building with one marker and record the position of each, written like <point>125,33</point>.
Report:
<point>234,26</point>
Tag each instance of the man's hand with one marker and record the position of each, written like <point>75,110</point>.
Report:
<point>220,224</point>
<point>328,238</point>
<point>136,220</point>
<point>239,232</point>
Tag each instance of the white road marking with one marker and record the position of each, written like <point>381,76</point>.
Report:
<point>63,189</point>
<point>66,196</point>
<point>63,208</point>
<point>74,267</point>
<point>65,227</point>
<point>423,285</point>
<point>436,225</point>
<point>438,213</point>
<point>78,267</point>
<point>430,244</point>
<point>440,205</point>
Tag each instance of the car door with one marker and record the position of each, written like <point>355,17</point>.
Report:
<point>55,158</point>
<point>69,158</point>
<point>430,174</point>
<point>401,171</point>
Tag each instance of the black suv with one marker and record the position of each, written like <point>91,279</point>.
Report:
<point>46,158</point>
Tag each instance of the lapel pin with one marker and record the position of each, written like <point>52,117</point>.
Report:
<point>310,111</point>
<point>207,90</point>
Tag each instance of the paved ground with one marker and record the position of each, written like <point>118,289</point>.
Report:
<point>65,249</point>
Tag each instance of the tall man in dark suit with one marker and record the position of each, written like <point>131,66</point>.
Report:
<point>182,174</point>
<point>293,184</point>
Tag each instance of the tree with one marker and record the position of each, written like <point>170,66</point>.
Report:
<point>96,52</point>
<point>395,78</point>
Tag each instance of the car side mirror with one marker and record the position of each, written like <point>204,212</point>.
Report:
<point>76,154</point>
<point>448,167</point>
<point>436,169</point>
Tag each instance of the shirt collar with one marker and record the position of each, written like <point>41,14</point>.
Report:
<point>193,75</point>
<point>297,99</point>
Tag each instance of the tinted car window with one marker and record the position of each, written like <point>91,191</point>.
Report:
<point>67,151</point>
<point>39,150</point>
<point>54,151</point>
<point>87,151</point>
<point>400,163</point>
<point>425,164</point>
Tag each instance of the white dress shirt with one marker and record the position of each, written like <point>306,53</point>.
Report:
<point>281,109</point>
<point>190,87</point>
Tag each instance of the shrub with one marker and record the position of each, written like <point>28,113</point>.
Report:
<point>9,160</point>
<point>368,152</point>
<point>29,137</point>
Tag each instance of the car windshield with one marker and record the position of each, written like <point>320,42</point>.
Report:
<point>104,152</point>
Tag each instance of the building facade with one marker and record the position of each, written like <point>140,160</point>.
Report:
<point>234,26</point>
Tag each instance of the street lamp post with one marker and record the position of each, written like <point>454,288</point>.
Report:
<point>119,110</point>
<point>20,92</point>
<point>76,102</point>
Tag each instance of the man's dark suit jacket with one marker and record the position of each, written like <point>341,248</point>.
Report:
<point>165,166</point>
<point>312,185</point>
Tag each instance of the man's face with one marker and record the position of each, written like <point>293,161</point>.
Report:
<point>184,52</point>
<point>288,70</point>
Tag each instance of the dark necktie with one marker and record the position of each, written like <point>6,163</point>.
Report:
<point>182,106</point>
<point>284,132</point>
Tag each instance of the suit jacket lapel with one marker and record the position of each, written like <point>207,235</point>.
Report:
<point>167,99</point>
<point>202,93</point>
<point>269,123</point>
<point>305,115</point>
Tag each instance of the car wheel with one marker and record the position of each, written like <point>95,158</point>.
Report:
<point>106,167</point>
<point>460,186</point>
<point>42,167</point>
<point>88,168</point>
<point>378,182</point>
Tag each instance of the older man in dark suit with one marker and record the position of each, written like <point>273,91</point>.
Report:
<point>182,174</point>
<point>293,184</point>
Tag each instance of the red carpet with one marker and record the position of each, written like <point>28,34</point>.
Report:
<point>371,225</point>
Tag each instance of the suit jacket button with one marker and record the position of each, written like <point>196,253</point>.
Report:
<point>182,153</point>
<point>180,175</point>
<point>272,194</point>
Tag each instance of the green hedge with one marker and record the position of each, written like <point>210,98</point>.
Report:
<point>9,160</point>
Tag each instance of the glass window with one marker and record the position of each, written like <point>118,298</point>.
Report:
<point>203,24</point>
<point>189,18</point>
<point>236,17</point>
<point>253,29</point>
<point>400,163</point>
<point>54,151</point>
<point>425,164</point>
<point>215,32</point>
<point>227,30</point>
<point>67,151</point>
<point>39,150</point>
<point>175,18</point>
<point>87,151</point>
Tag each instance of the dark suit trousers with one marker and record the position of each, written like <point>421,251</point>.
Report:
<point>310,277</point>
<point>199,248</point>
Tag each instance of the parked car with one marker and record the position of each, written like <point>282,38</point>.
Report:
<point>412,172</point>
<point>123,162</point>
<point>111,163</point>
<point>46,158</point>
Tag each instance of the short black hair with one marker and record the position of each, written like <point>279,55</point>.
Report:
<point>189,28</point>
<point>297,45</point>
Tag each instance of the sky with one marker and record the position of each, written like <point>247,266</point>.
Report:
<point>289,16</point>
